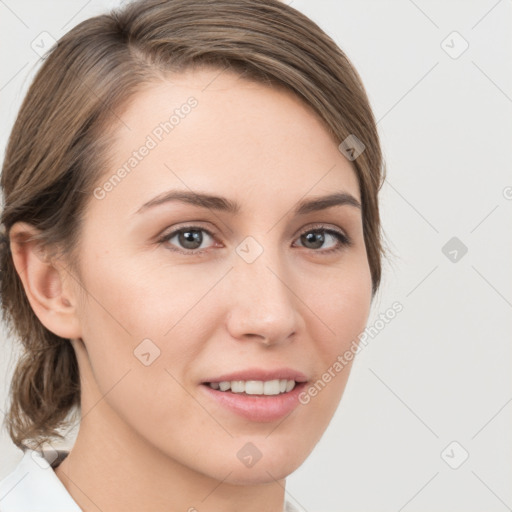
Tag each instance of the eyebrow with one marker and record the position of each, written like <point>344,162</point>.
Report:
<point>223,204</point>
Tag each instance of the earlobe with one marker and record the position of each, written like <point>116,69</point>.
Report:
<point>44,282</point>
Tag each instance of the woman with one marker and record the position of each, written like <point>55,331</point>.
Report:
<point>192,238</point>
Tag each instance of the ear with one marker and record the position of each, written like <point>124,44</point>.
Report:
<point>46,282</point>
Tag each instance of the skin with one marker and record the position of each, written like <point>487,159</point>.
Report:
<point>150,439</point>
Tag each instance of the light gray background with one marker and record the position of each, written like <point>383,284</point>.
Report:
<point>440,371</point>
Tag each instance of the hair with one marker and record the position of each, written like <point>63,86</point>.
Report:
<point>58,147</point>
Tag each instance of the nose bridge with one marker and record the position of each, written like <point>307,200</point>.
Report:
<point>262,302</point>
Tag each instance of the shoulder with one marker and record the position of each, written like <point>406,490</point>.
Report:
<point>33,485</point>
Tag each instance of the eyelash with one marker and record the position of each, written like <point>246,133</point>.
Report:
<point>343,240</point>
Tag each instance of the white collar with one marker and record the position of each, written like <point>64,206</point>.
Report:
<point>33,486</point>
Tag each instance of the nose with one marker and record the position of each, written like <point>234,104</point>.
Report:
<point>262,302</point>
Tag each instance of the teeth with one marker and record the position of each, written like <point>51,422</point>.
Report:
<point>237,386</point>
<point>224,386</point>
<point>271,387</point>
<point>255,387</point>
<point>290,384</point>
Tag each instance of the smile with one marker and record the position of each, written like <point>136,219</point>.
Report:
<point>255,387</point>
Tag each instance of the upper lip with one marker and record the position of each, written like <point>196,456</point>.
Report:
<point>262,374</point>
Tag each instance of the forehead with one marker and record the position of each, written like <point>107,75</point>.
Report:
<point>211,130</point>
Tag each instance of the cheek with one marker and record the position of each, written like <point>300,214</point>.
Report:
<point>136,366</point>
<point>141,331</point>
<point>150,400</point>
<point>342,305</point>
<point>339,313</point>
<point>133,299</point>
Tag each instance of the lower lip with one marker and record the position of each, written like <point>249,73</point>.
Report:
<point>261,408</point>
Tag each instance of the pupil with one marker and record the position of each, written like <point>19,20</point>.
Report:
<point>310,237</point>
<point>190,238</point>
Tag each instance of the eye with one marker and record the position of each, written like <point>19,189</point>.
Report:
<point>189,239</point>
<point>316,238</point>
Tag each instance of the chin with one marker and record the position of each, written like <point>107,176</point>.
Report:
<point>259,474</point>
<point>250,465</point>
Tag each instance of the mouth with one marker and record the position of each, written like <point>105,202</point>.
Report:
<point>257,395</point>
<point>254,387</point>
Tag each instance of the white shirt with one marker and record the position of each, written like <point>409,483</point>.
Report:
<point>33,486</point>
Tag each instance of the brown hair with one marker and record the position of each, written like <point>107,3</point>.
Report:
<point>57,150</point>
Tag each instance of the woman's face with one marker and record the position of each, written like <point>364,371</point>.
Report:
<point>254,294</point>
